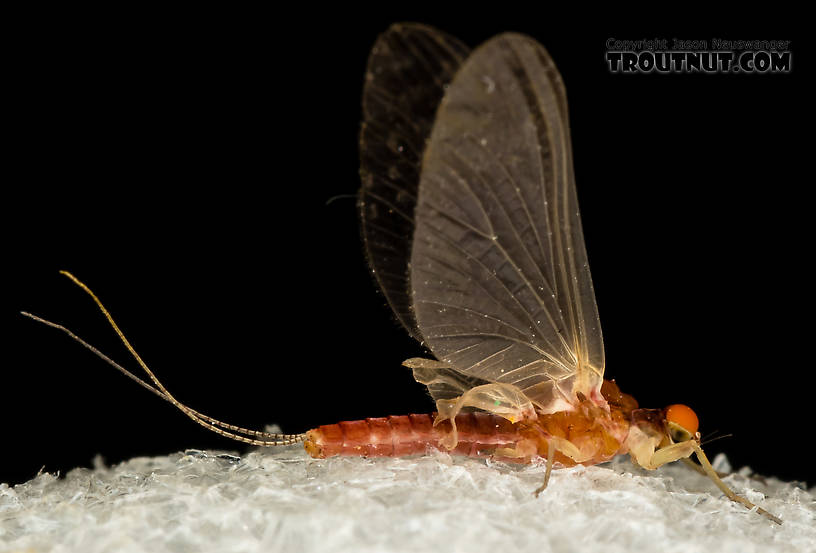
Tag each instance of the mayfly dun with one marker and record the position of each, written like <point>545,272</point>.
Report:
<point>470,223</point>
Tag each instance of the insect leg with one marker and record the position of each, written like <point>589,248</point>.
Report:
<point>700,470</point>
<point>669,454</point>
<point>550,455</point>
<point>712,474</point>
<point>500,399</point>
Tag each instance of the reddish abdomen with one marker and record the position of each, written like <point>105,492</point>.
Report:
<point>479,435</point>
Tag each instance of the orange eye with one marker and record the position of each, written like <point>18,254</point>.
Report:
<point>684,416</point>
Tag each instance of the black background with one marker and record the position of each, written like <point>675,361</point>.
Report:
<point>182,166</point>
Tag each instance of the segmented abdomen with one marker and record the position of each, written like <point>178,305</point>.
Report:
<point>479,435</point>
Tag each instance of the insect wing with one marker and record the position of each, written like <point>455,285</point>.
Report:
<point>501,285</point>
<point>408,68</point>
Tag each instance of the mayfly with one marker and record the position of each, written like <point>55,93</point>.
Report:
<point>470,223</point>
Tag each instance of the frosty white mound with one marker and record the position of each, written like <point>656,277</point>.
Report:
<point>285,501</point>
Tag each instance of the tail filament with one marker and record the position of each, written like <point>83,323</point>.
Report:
<point>237,433</point>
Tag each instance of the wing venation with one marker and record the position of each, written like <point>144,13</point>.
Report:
<point>407,71</point>
<point>499,274</point>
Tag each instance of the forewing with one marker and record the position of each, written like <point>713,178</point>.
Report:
<point>408,68</point>
<point>501,285</point>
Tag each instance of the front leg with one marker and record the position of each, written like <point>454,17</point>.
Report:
<point>671,453</point>
<point>712,474</point>
<point>699,470</point>
<point>683,450</point>
<point>645,451</point>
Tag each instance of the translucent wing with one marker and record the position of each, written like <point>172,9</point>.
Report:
<point>409,66</point>
<point>501,285</point>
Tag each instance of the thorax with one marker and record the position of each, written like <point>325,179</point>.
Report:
<point>597,432</point>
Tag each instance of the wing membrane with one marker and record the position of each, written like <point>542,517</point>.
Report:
<point>409,66</point>
<point>501,285</point>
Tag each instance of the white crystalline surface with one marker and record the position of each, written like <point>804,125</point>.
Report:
<point>285,501</point>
